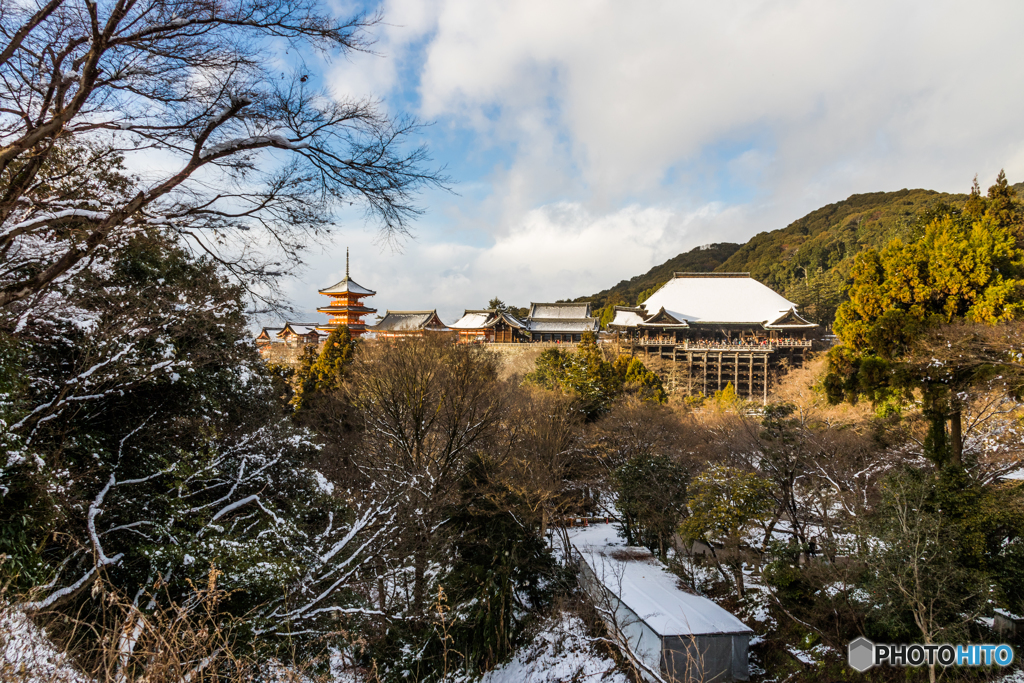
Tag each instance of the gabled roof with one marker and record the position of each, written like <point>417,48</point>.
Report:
<point>474,320</point>
<point>269,333</point>
<point>718,298</point>
<point>408,321</point>
<point>481,319</point>
<point>627,316</point>
<point>663,318</point>
<point>349,286</point>
<point>788,321</point>
<point>560,310</point>
<point>301,329</point>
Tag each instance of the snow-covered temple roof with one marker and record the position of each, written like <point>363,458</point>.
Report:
<point>564,325</point>
<point>301,329</point>
<point>481,319</point>
<point>560,310</point>
<point>561,318</point>
<point>408,321</point>
<point>647,588</point>
<point>730,298</point>
<point>269,333</point>
<point>627,317</point>
<point>348,286</point>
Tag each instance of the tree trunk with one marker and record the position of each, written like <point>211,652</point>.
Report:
<point>956,439</point>
<point>738,560</point>
<point>419,575</point>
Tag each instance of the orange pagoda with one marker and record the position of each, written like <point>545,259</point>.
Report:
<point>346,307</point>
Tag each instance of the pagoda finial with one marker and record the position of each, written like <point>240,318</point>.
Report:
<point>346,263</point>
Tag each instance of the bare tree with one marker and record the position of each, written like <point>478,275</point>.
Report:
<point>427,404</point>
<point>193,91</point>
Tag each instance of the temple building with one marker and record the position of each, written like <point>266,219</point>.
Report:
<point>267,336</point>
<point>398,324</point>
<point>490,326</point>
<point>294,334</point>
<point>560,322</point>
<point>717,329</point>
<point>346,307</point>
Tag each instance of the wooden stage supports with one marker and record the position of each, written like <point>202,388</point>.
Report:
<point>705,370</point>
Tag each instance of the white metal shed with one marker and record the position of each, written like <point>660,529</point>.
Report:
<point>677,635</point>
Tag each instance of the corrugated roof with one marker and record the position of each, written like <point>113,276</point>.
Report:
<point>561,310</point>
<point>705,297</point>
<point>647,588</point>
<point>406,321</point>
<point>348,285</point>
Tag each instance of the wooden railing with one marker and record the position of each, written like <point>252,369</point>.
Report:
<point>721,346</point>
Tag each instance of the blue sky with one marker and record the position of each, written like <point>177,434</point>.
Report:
<point>589,141</point>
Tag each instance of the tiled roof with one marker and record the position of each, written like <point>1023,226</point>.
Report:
<point>406,321</point>
<point>564,326</point>
<point>301,329</point>
<point>348,285</point>
<point>474,320</point>
<point>718,298</point>
<point>560,310</point>
<point>477,320</point>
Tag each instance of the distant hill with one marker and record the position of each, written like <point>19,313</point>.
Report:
<point>702,259</point>
<point>809,260</point>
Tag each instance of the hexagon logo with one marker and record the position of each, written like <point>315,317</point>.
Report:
<point>862,654</point>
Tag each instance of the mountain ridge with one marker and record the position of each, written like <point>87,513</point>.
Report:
<point>807,261</point>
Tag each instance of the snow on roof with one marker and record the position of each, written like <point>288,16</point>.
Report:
<point>560,310</point>
<point>564,325</point>
<point>720,298</point>
<point>301,329</point>
<point>348,285</point>
<point>647,588</point>
<point>790,319</point>
<point>269,331</point>
<point>473,320</point>
<point>626,318</point>
<point>406,321</point>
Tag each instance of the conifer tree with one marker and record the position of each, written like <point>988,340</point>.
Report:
<point>959,270</point>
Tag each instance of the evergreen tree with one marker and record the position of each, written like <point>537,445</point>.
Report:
<point>725,504</point>
<point>503,569</point>
<point>651,499</point>
<point>1003,206</point>
<point>958,270</point>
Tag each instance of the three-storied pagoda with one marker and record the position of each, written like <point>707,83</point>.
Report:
<point>346,307</point>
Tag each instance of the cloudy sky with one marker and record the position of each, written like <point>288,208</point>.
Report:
<point>589,141</point>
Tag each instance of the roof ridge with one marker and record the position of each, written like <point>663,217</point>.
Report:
<point>712,274</point>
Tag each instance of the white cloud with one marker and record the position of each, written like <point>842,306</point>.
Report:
<point>875,92</point>
<point>624,133</point>
<point>556,252</point>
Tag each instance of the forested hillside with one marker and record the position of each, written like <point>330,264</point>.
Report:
<point>809,260</point>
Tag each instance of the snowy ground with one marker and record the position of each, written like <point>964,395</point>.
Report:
<point>562,652</point>
<point>28,656</point>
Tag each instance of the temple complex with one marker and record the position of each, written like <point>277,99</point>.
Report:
<point>490,326</point>
<point>717,329</point>
<point>346,307</point>
<point>560,322</point>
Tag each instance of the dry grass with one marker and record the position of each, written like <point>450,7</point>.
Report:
<point>162,642</point>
